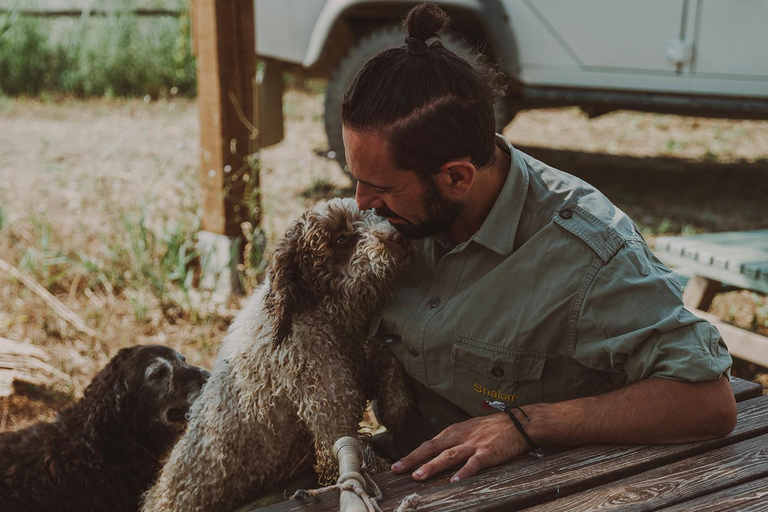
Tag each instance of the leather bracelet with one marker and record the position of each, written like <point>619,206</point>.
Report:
<point>503,407</point>
<point>520,426</point>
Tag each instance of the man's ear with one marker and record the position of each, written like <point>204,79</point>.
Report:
<point>455,178</point>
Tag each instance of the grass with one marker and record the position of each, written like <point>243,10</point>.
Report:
<point>120,55</point>
<point>153,262</point>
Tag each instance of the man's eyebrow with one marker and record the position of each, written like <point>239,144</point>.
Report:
<point>373,185</point>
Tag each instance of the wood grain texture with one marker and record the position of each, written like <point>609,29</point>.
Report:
<point>528,481</point>
<point>226,67</point>
<point>673,483</point>
<point>751,496</point>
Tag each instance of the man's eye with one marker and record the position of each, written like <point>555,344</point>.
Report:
<point>379,190</point>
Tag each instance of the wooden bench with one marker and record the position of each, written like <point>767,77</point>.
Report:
<point>738,259</point>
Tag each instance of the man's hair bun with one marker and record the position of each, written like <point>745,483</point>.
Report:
<point>425,21</point>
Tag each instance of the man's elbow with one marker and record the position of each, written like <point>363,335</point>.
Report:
<point>723,420</point>
<point>722,413</point>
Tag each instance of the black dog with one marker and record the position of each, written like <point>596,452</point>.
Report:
<point>104,451</point>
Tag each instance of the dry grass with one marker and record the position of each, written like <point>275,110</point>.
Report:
<point>99,204</point>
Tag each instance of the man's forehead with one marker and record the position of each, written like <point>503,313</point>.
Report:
<point>367,154</point>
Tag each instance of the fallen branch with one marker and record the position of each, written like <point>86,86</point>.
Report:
<point>21,361</point>
<point>55,304</point>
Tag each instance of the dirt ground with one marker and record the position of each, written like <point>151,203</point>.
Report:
<point>74,173</point>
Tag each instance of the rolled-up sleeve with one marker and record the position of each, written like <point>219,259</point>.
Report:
<point>632,321</point>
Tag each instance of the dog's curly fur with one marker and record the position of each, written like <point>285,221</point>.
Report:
<point>292,374</point>
<point>104,451</point>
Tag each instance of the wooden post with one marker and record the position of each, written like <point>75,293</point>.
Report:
<point>224,42</point>
<point>699,292</point>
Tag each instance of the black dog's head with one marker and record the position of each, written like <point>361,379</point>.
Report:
<point>141,398</point>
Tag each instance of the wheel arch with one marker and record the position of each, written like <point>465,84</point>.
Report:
<point>342,23</point>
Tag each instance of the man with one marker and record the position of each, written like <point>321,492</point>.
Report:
<point>533,289</point>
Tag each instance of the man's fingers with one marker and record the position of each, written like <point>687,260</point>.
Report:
<point>445,460</point>
<point>475,463</point>
<point>423,453</point>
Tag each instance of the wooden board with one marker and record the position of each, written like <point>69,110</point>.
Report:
<point>529,481</point>
<point>673,483</point>
<point>737,258</point>
<point>751,496</point>
<point>745,390</point>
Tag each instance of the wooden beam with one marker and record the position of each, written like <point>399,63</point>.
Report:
<point>25,362</point>
<point>226,67</point>
<point>699,292</point>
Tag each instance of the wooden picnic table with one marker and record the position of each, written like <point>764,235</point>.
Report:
<point>730,473</point>
<point>737,259</point>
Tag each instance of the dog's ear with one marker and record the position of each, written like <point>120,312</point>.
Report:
<point>286,295</point>
<point>105,399</point>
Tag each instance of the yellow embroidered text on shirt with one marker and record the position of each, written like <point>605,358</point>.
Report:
<point>496,393</point>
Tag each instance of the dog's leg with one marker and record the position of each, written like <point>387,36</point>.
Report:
<point>205,470</point>
<point>391,390</point>
<point>329,401</point>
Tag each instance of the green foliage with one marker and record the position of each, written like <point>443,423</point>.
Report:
<point>142,257</point>
<point>120,55</point>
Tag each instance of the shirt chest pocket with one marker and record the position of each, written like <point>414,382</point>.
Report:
<point>488,372</point>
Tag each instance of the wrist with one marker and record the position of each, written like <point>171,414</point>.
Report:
<point>521,421</point>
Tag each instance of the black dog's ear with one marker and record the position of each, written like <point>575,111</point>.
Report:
<point>286,295</point>
<point>105,399</point>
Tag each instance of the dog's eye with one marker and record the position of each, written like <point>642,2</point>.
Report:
<point>158,373</point>
<point>341,239</point>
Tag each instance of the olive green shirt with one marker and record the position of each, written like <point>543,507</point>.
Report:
<point>557,296</point>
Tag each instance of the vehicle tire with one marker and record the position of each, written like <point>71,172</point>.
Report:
<point>375,42</point>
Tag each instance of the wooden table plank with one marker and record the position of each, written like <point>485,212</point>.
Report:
<point>528,481</point>
<point>673,483</point>
<point>745,390</point>
<point>715,272</point>
<point>751,496</point>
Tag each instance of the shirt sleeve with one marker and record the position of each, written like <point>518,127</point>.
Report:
<point>632,321</point>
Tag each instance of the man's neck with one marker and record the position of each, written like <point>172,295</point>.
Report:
<point>485,190</point>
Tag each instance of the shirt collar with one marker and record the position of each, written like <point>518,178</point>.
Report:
<point>497,232</point>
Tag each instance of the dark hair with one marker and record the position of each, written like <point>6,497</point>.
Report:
<point>431,104</point>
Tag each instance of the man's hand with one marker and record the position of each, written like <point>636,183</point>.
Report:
<point>652,411</point>
<point>482,442</point>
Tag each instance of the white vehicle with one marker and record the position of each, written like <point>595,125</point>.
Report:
<point>694,57</point>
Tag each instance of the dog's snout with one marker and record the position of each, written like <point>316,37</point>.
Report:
<point>399,238</point>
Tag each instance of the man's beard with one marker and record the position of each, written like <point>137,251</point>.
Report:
<point>441,214</point>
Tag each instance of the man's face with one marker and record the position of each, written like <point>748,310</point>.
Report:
<point>416,208</point>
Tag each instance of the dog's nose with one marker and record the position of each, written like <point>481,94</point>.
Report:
<point>399,238</point>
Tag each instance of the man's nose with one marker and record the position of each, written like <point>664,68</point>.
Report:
<point>366,197</point>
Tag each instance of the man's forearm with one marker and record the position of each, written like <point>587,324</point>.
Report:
<point>653,411</point>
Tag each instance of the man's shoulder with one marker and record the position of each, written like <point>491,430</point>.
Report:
<point>579,208</point>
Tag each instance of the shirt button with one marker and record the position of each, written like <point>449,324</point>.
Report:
<point>497,372</point>
<point>566,214</point>
<point>413,352</point>
<point>435,302</point>
<point>433,422</point>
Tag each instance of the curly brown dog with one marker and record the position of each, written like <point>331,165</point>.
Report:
<point>105,450</point>
<point>292,374</point>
